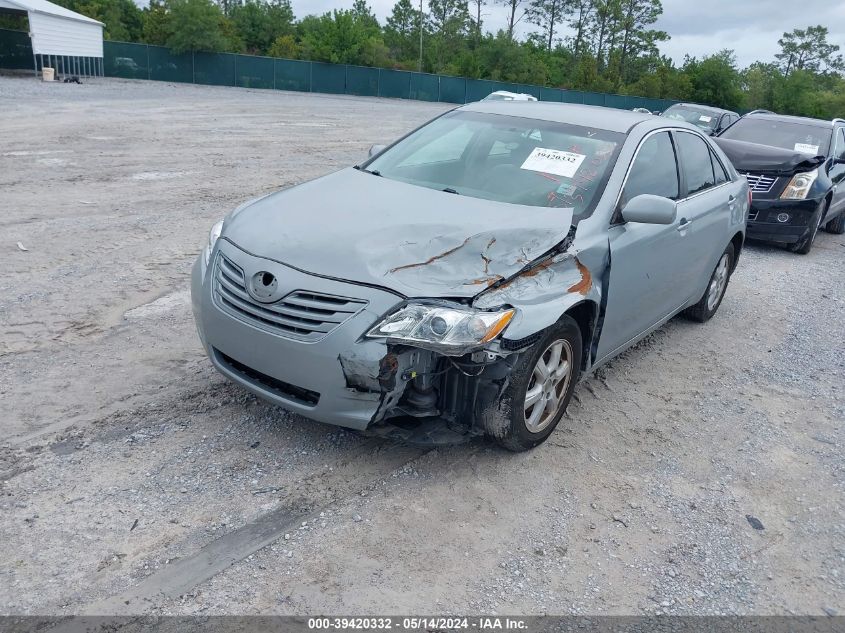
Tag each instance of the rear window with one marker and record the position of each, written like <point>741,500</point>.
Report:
<point>508,159</point>
<point>796,137</point>
<point>700,117</point>
<point>696,161</point>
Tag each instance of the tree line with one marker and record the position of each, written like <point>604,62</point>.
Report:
<point>592,45</point>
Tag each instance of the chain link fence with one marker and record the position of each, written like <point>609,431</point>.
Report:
<point>143,61</point>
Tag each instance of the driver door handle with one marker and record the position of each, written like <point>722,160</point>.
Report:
<point>684,224</point>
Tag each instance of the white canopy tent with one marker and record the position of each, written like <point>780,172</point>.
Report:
<point>62,39</point>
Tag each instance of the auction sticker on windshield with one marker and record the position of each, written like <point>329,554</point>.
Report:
<point>553,161</point>
<point>806,148</point>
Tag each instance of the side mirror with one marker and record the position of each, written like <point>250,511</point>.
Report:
<point>649,209</point>
<point>376,149</point>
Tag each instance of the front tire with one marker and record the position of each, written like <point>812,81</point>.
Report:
<point>711,300</point>
<point>802,247</point>
<point>541,385</point>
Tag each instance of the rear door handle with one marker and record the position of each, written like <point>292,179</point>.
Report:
<point>731,200</point>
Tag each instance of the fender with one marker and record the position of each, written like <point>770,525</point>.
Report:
<point>551,287</point>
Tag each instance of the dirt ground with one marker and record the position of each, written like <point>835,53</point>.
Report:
<point>134,479</point>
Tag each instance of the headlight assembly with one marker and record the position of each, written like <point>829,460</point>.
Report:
<point>213,236</point>
<point>449,330</point>
<point>799,186</point>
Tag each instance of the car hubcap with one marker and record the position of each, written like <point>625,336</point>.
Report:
<point>718,283</point>
<point>548,385</point>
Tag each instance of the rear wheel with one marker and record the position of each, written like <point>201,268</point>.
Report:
<point>712,298</point>
<point>540,388</point>
<point>837,225</point>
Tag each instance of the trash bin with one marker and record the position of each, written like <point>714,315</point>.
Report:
<point>48,74</point>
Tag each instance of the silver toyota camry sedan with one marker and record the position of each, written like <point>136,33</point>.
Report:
<point>468,274</point>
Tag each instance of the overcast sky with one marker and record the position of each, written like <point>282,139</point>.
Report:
<point>698,27</point>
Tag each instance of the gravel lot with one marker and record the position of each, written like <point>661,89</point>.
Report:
<point>135,479</point>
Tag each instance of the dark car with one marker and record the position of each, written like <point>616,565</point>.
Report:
<point>795,167</point>
<point>708,119</point>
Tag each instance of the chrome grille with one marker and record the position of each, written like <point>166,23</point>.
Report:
<point>303,315</point>
<point>760,183</point>
<point>752,214</point>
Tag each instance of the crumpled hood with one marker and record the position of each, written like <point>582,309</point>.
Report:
<point>757,158</point>
<point>417,241</point>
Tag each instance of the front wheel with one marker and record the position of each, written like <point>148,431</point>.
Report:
<point>712,299</point>
<point>802,247</point>
<point>540,388</point>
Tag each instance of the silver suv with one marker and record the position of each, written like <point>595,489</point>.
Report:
<point>468,274</point>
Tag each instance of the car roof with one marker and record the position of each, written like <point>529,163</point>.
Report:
<point>600,117</point>
<point>787,118</point>
<point>701,107</point>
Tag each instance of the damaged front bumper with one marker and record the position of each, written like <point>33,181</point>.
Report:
<point>782,221</point>
<point>332,375</point>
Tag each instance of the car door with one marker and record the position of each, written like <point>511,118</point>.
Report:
<point>648,263</point>
<point>837,174</point>
<point>704,212</point>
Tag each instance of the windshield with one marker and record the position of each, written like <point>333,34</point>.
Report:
<point>505,158</point>
<point>704,118</point>
<point>796,137</point>
<point>493,96</point>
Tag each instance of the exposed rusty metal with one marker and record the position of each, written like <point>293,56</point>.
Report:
<point>434,258</point>
<point>387,368</point>
<point>583,286</point>
<point>540,267</point>
<point>488,281</point>
<point>501,283</point>
<point>484,256</point>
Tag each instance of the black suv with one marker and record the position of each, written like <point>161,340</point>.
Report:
<point>795,167</point>
<point>710,120</point>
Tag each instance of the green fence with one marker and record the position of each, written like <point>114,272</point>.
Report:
<point>142,61</point>
<point>15,50</point>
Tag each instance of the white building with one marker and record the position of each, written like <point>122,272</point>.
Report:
<point>62,39</point>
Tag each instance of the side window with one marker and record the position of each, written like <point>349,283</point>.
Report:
<point>654,170</point>
<point>719,171</point>
<point>695,162</point>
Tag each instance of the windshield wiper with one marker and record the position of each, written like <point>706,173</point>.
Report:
<point>374,172</point>
<point>450,190</point>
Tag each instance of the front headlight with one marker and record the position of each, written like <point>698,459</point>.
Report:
<point>799,186</point>
<point>213,236</point>
<point>451,331</point>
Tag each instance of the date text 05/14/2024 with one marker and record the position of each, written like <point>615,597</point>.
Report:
<point>480,623</point>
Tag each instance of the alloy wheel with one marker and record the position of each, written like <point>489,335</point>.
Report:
<point>547,387</point>
<point>718,283</point>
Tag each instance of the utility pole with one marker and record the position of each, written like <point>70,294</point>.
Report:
<point>421,34</point>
